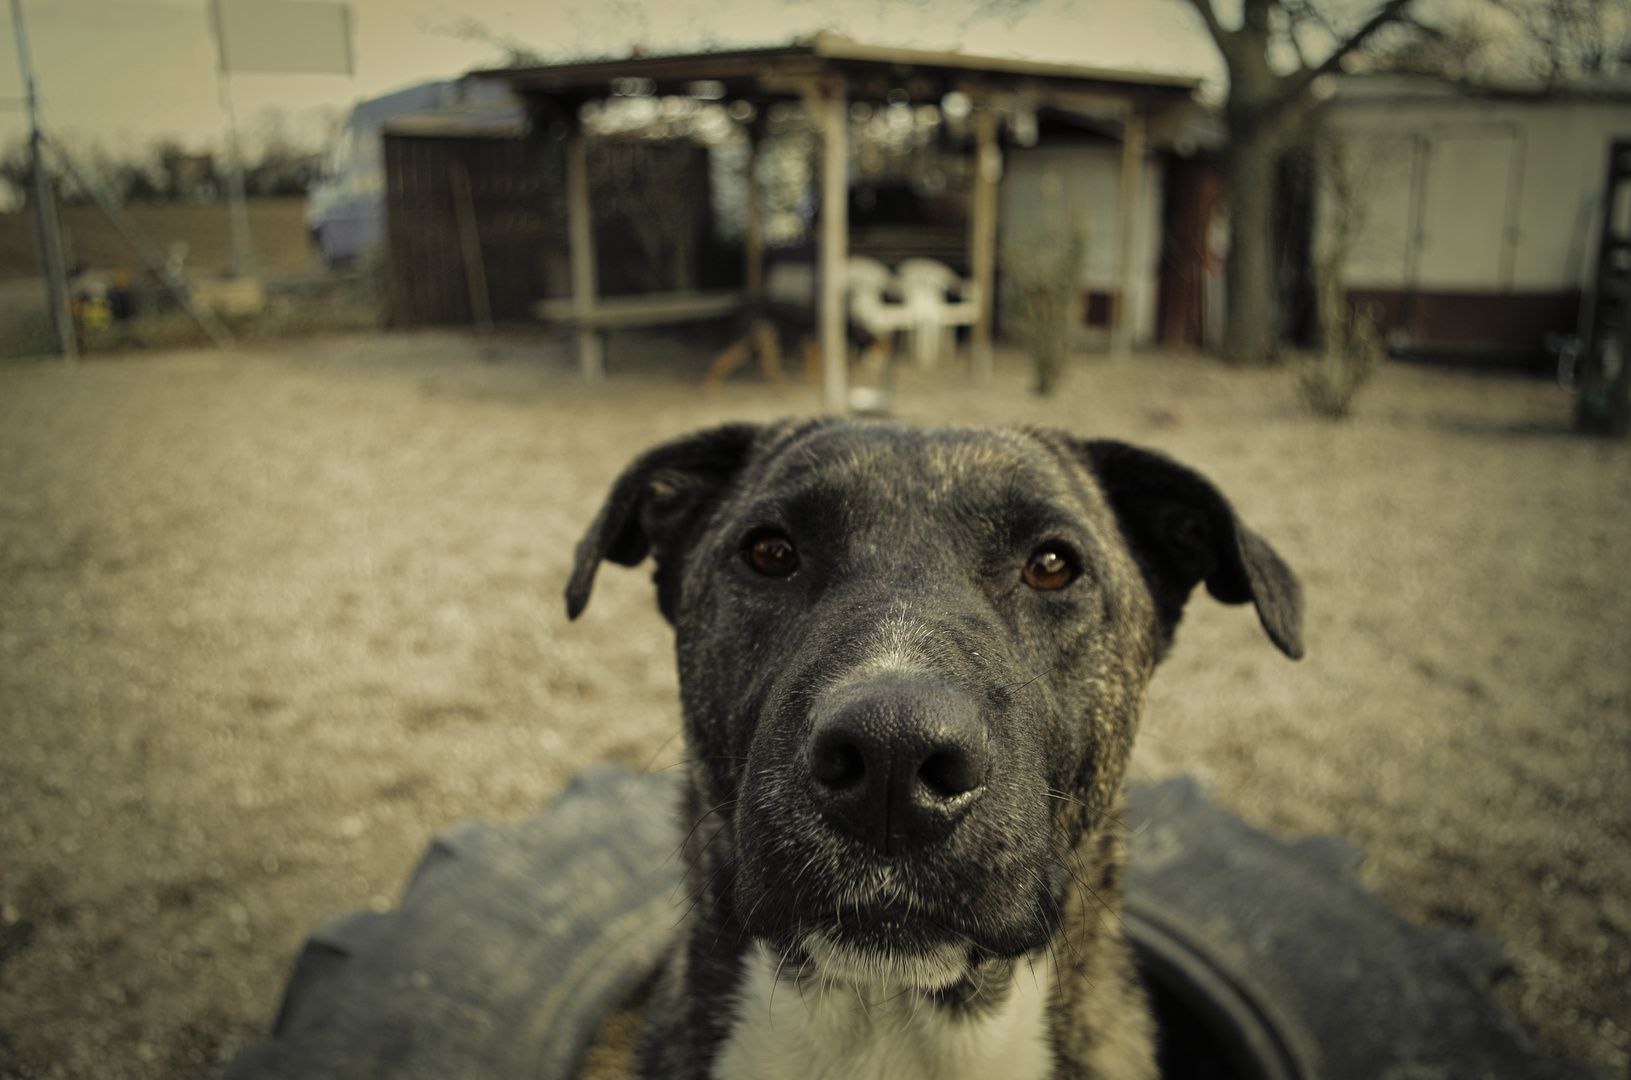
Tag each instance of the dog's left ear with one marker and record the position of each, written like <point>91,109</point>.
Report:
<point>1183,531</point>
<point>655,506</point>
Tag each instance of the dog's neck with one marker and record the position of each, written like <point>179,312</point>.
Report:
<point>809,1028</point>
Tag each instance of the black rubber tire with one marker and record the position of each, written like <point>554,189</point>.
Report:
<point>1295,970</point>
<point>508,948</point>
<point>1263,959</point>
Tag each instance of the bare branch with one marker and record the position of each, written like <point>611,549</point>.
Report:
<point>1304,11</point>
<point>1390,12</point>
<point>1297,46</point>
<point>1223,38</point>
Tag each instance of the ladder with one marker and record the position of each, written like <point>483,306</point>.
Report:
<point>1603,377</point>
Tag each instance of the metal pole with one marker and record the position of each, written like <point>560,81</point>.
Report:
<point>45,207</point>
<point>243,252</point>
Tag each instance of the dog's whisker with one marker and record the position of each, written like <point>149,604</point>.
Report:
<point>1022,684</point>
<point>1102,815</point>
<point>1069,859</point>
<point>645,770</point>
<point>1104,907</point>
<point>703,891</point>
<point>696,896</point>
<point>697,825</point>
<point>1058,967</point>
<point>697,759</point>
<point>775,980</point>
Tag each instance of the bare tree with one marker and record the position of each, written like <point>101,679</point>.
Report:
<point>17,172</point>
<point>1574,37</point>
<point>1551,41</point>
<point>516,53</point>
<point>1346,174</point>
<point>1271,88</point>
<point>1458,48</point>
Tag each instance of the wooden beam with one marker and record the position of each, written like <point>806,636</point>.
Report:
<point>833,112</point>
<point>753,245</point>
<point>581,240</point>
<point>1132,176</point>
<point>982,238</point>
<point>475,271</point>
<point>648,309</point>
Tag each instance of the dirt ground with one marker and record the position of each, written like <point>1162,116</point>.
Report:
<point>271,619</point>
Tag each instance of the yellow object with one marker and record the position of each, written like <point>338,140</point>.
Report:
<point>96,313</point>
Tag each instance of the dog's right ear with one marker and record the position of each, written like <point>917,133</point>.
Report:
<point>655,505</point>
<point>1183,532</point>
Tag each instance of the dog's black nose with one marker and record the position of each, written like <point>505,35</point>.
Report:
<point>897,761</point>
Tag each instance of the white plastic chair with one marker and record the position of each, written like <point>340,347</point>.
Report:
<point>926,284</point>
<point>871,284</point>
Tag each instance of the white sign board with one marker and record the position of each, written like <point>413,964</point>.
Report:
<point>294,36</point>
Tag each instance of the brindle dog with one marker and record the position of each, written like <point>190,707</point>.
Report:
<point>911,664</point>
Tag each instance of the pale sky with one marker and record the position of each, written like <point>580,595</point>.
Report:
<point>124,72</point>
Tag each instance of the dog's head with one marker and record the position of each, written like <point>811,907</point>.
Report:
<point>911,664</point>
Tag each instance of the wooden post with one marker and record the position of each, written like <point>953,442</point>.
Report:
<point>753,245</point>
<point>475,271</point>
<point>1132,176</point>
<point>982,239</point>
<point>833,106</point>
<point>581,239</point>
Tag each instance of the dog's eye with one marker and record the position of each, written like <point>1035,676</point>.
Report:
<point>771,554</point>
<point>1048,570</point>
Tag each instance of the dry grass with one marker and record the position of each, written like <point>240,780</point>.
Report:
<point>1330,382</point>
<point>270,619</point>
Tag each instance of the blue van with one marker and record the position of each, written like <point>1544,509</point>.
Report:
<point>345,207</point>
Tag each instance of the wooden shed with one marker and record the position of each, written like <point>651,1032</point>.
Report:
<point>830,75</point>
<point>476,219</point>
<point>1475,213</point>
<point>467,209</point>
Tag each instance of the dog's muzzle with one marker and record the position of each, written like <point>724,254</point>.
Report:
<point>897,827</point>
<point>897,760</point>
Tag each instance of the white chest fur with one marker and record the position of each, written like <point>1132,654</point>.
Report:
<point>834,1033</point>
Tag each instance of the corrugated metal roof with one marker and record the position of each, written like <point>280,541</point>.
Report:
<point>825,53</point>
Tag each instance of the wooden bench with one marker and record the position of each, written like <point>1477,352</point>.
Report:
<point>649,309</point>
